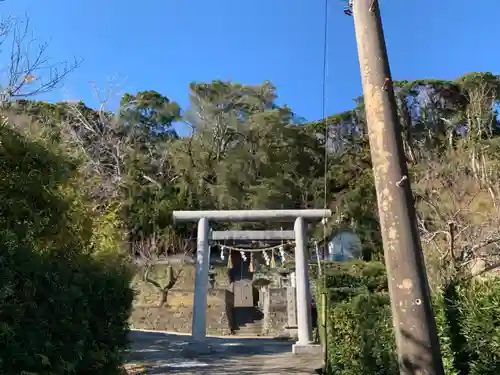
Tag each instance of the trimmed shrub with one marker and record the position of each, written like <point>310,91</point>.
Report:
<point>361,336</point>
<point>356,275</point>
<point>441,313</point>
<point>65,296</point>
<point>478,323</point>
<point>61,315</point>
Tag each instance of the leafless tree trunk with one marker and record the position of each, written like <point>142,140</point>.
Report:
<point>172,277</point>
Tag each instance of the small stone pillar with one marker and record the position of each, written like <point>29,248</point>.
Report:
<point>291,307</point>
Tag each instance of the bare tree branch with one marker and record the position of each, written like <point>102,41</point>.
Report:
<point>459,218</point>
<point>30,71</point>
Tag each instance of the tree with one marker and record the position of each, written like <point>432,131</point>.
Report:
<point>148,116</point>
<point>457,189</point>
<point>30,71</point>
<point>247,152</point>
<point>459,220</point>
<point>230,124</point>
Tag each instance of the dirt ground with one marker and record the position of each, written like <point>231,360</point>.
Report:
<point>162,353</point>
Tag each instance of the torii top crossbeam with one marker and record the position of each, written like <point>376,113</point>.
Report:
<point>251,215</point>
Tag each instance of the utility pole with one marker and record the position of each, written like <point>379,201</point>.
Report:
<point>415,327</point>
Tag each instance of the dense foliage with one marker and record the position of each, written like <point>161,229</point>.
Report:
<point>80,186</point>
<point>245,151</point>
<point>65,296</point>
<point>83,191</point>
<point>359,326</point>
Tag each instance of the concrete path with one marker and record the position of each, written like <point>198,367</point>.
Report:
<point>163,353</point>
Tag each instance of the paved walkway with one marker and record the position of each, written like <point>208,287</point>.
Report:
<point>162,353</point>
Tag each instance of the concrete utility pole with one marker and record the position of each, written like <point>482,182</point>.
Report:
<point>415,327</point>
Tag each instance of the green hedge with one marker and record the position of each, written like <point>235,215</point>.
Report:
<point>65,294</point>
<point>475,332</point>
<point>355,275</point>
<point>359,325</point>
<point>61,316</point>
<point>367,346</point>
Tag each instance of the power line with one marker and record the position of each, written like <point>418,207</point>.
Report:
<point>324,116</point>
<point>324,98</point>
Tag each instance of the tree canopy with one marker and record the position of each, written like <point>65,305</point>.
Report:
<point>247,152</point>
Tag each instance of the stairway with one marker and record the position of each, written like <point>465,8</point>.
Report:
<point>248,321</point>
<point>250,329</point>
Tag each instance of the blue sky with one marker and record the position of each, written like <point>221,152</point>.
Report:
<point>163,45</point>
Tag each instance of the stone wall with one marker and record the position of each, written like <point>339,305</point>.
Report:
<point>176,315</point>
<point>147,292</point>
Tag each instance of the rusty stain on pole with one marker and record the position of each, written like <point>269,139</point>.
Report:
<point>414,323</point>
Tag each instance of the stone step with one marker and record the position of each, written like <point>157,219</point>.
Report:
<point>258,323</point>
<point>248,333</point>
<point>241,331</point>
<point>250,329</point>
<point>252,324</point>
<point>249,321</point>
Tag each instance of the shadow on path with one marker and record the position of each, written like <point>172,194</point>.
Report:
<point>162,353</point>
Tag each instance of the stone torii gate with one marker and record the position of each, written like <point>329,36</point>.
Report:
<point>303,295</point>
